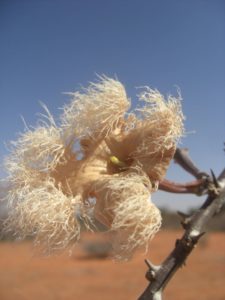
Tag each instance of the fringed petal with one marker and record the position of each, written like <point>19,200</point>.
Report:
<point>46,213</point>
<point>124,206</point>
<point>40,149</point>
<point>95,112</point>
<point>152,142</point>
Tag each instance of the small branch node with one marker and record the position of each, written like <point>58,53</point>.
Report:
<point>151,273</point>
<point>151,265</point>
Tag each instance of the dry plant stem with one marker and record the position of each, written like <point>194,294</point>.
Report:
<point>182,158</point>
<point>194,187</point>
<point>198,187</point>
<point>194,226</point>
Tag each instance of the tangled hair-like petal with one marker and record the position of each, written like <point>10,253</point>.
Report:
<point>123,204</point>
<point>46,213</point>
<point>98,150</point>
<point>104,102</point>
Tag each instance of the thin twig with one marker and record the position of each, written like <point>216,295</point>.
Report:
<point>182,158</point>
<point>198,186</point>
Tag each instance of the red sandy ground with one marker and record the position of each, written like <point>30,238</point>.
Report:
<point>25,277</point>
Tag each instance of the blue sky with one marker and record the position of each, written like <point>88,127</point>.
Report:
<point>52,46</point>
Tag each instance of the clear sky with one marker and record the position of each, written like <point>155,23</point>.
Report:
<point>51,46</point>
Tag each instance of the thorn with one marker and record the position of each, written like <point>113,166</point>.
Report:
<point>151,266</point>
<point>197,237</point>
<point>151,273</point>
<point>185,219</point>
<point>215,181</point>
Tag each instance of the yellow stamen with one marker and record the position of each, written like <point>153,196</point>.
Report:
<point>115,160</point>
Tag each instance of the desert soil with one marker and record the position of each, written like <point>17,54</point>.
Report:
<point>24,276</point>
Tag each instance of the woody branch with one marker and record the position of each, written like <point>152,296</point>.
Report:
<point>194,225</point>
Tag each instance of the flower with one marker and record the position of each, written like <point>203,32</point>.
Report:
<point>99,150</point>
